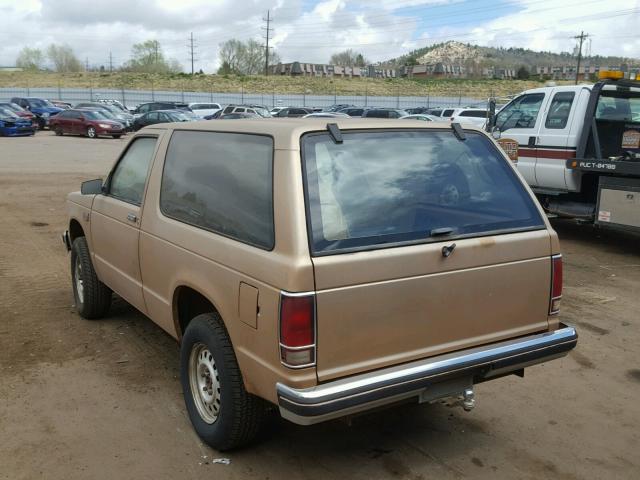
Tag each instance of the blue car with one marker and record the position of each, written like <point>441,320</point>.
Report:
<point>41,108</point>
<point>11,125</point>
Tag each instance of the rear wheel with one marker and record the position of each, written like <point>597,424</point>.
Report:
<point>59,131</point>
<point>116,136</point>
<point>92,297</point>
<point>223,414</point>
<point>91,132</point>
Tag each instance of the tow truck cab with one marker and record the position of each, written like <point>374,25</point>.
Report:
<point>572,139</point>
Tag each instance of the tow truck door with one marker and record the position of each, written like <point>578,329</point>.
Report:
<point>520,120</point>
<point>556,140</point>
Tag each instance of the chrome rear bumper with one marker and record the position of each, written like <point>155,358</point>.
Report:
<point>428,379</point>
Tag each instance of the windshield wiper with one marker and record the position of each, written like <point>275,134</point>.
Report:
<point>437,232</point>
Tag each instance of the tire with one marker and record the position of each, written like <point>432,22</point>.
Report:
<point>92,297</point>
<point>225,416</point>
<point>116,136</point>
<point>91,132</point>
<point>59,131</point>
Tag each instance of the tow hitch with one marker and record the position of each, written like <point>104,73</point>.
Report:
<point>468,399</point>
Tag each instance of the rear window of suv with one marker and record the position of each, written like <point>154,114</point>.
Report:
<point>385,188</point>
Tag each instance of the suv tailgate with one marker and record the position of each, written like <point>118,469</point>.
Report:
<point>385,307</point>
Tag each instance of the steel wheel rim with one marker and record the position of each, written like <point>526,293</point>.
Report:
<point>204,382</point>
<point>78,281</point>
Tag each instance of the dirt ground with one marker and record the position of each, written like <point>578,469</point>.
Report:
<point>101,400</point>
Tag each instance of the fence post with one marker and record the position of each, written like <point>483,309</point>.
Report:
<point>182,93</point>
<point>273,98</point>
<point>242,93</point>
<point>59,91</point>
<point>123,99</point>
<point>28,92</point>
<point>335,95</point>
<point>398,98</point>
<point>304,99</point>
<point>153,93</point>
<point>211,93</point>
<point>459,96</point>
<point>366,96</point>
<point>427,99</point>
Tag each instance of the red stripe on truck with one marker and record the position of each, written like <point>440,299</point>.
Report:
<point>542,153</point>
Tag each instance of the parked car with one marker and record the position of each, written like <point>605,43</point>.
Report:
<point>41,108</point>
<point>435,112</point>
<point>204,109</point>
<point>339,106</point>
<point>326,115</point>
<point>110,111</point>
<point>162,116</point>
<point>238,115</point>
<point>473,116</point>
<point>61,104</point>
<point>214,116</point>
<point>91,123</point>
<point>384,113</point>
<point>21,112</point>
<point>154,106</point>
<point>116,103</point>
<point>275,110</point>
<point>294,112</point>
<point>250,108</point>
<point>416,110</point>
<point>422,116</point>
<point>12,125</point>
<point>400,263</point>
<point>353,111</point>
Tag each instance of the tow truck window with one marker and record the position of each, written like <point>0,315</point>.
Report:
<point>618,106</point>
<point>559,110</point>
<point>521,113</point>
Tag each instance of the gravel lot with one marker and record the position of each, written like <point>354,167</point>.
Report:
<point>81,399</point>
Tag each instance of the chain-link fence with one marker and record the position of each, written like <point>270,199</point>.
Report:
<point>132,98</point>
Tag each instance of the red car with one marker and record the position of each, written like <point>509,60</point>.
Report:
<point>21,112</point>
<point>85,122</point>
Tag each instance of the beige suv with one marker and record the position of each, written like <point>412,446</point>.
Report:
<point>324,269</point>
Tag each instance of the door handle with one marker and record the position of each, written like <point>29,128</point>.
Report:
<point>132,218</point>
<point>532,142</point>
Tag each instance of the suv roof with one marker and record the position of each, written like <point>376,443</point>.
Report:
<point>286,131</point>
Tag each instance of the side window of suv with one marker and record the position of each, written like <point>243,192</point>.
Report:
<point>130,174</point>
<point>221,182</point>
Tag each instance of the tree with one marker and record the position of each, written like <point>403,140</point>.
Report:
<point>63,58</point>
<point>522,73</point>
<point>245,58</point>
<point>348,58</point>
<point>148,57</point>
<point>30,59</point>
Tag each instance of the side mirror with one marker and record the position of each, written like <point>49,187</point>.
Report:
<point>91,187</point>
<point>495,133</point>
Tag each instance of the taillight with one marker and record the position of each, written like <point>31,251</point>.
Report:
<point>556,284</point>
<point>297,330</point>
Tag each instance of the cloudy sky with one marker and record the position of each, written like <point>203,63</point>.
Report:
<point>311,30</point>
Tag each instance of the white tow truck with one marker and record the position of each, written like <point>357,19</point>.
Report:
<point>578,147</point>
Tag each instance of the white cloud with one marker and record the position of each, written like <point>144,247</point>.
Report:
<point>381,29</point>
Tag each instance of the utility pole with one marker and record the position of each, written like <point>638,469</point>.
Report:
<point>582,38</point>
<point>191,48</point>
<point>266,49</point>
<point>110,61</point>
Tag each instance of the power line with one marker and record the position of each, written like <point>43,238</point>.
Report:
<point>582,37</point>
